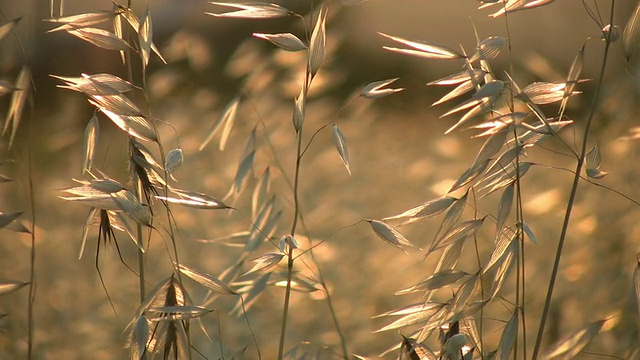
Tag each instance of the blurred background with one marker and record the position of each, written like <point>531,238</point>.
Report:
<point>400,158</point>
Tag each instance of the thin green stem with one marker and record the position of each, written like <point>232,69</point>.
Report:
<point>574,191</point>
<point>287,298</point>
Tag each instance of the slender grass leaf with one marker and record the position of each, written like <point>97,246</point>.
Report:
<point>506,240</point>
<point>261,191</point>
<point>453,345</point>
<point>253,10</point>
<point>251,293</point>
<point>210,282</point>
<point>490,90</point>
<point>465,291</point>
<point>424,49</point>
<point>130,205</point>
<point>460,77</point>
<point>140,337</point>
<point>476,169</point>
<point>285,41</point>
<point>118,104</point>
<point>452,215</point>
<point>91,219</point>
<point>317,43</point>
<point>8,27</point>
<point>572,345</point>
<point>461,89</point>
<point>299,110</point>
<point>145,34</point>
<point>527,230</point>
<point>227,118</point>
<point>542,93</point>
<point>7,218</point>
<point>593,160</point>
<point>244,170</point>
<point>117,221</point>
<point>134,22</point>
<point>436,281</point>
<point>572,79</point>
<point>425,210</point>
<point>91,133</point>
<point>450,256</point>
<point>489,48</point>
<point>504,208</point>
<point>341,144</point>
<point>87,84</point>
<point>7,287</point>
<point>508,338</point>
<point>18,99</point>
<point>100,38</point>
<point>172,313</point>
<point>457,233</point>
<point>518,5</point>
<point>81,20</point>
<point>631,33</point>
<point>411,319</point>
<point>412,309</point>
<point>174,159</point>
<point>6,88</point>
<point>194,199</point>
<point>265,262</point>
<point>412,350</point>
<point>389,234</point>
<point>137,126</point>
<point>375,89</point>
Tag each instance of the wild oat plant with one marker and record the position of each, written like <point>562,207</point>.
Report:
<point>475,302</point>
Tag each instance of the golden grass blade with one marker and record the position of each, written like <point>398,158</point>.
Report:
<point>137,126</point>
<point>572,79</point>
<point>229,111</point>
<point>572,345</point>
<point>145,33</point>
<point>425,210</point>
<point>436,281</point>
<point>18,100</point>
<point>172,313</point>
<point>476,169</point>
<point>461,89</point>
<point>317,43</point>
<point>452,215</point>
<point>250,294</point>
<point>389,234</point>
<point>90,220</point>
<point>456,234</point>
<point>299,110</point>
<point>508,338</point>
<point>489,48</point>
<point>261,192</point>
<point>257,10</point>
<point>134,22</point>
<point>450,256</point>
<point>194,199</point>
<point>6,28</point>
<point>265,262</point>
<point>81,20</point>
<point>341,145</point>
<point>130,205</point>
<point>424,49</point>
<point>210,282</point>
<point>100,38</point>
<point>374,90</point>
<point>91,133</point>
<point>504,208</point>
<point>631,33</point>
<point>7,218</point>
<point>285,41</point>
<point>7,286</point>
<point>243,171</point>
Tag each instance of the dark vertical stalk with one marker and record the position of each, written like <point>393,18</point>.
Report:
<point>574,190</point>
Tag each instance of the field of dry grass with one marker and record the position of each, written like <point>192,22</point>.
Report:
<point>399,158</point>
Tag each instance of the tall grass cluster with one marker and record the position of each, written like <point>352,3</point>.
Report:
<point>225,236</point>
